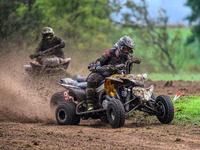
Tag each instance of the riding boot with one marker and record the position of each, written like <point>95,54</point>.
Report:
<point>90,96</point>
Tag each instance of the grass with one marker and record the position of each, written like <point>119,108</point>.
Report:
<point>168,76</point>
<point>189,113</point>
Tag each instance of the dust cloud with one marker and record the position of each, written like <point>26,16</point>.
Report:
<point>27,99</point>
<point>24,98</point>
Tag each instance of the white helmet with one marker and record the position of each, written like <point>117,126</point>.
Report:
<point>125,42</point>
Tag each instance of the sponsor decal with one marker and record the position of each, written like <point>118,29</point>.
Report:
<point>66,95</point>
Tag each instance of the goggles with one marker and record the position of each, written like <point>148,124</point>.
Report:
<point>128,49</point>
<point>47,36</point>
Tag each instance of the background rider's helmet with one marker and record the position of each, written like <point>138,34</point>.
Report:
<point>125,42</point>
<point>47,33</point>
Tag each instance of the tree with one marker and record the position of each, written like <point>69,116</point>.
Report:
<point>18,15</point>
<point>154,32</point>
<point>194,18</point>
<point>84,23</point>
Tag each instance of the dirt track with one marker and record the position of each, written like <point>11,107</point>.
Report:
<point>170,88</point>
<point>94,135</point>
<point>26,121</point>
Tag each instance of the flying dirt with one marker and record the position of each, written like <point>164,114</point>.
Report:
<point>19,101</point>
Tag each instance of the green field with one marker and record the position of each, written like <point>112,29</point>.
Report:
<point>189,113</point>
<point>170,76</point>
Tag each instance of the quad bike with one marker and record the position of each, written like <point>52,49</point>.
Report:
<point>36,68</point>
<point>116,97</point>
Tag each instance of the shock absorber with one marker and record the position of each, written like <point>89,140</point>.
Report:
<point>124,92</point>
<point>128,98</point>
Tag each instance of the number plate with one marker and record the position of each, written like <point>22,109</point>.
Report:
<point>66,95</point>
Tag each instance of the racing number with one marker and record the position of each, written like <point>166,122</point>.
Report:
<point>66,95</point>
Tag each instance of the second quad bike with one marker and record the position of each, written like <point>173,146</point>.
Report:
<point>116,97</point>
<point>36,68</point>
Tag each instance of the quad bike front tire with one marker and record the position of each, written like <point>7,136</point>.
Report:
<point>64,114</point>
<point>115,113</point>
<point>56,99</point>
<point>164,105</point>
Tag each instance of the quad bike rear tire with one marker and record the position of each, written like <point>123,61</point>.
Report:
<point>75,117</point>
<point>164,105</point>
<point>64,114</point>
<point>115,113</point>
<point>56,99</point>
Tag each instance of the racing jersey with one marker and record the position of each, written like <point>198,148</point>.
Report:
<point>55,43</point>
<point>109,58</point>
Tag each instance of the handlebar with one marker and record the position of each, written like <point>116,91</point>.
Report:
<point>40,54</point>
<point>137,61</point>
<point>32,56</point>
<point>120,68</point>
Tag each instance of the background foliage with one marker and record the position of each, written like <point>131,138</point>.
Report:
<point>89,29</point>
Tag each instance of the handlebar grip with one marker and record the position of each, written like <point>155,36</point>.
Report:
<point>137,60</point>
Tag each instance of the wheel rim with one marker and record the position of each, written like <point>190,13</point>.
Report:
<point>112,114</point>
<point>161,109</point>
<point>62,115</point>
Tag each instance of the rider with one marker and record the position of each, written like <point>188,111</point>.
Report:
<point>49,49</point>
<point>120,53</point>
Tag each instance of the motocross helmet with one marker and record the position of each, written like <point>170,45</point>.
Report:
<point>125,45</point>
<point>47,33</point>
